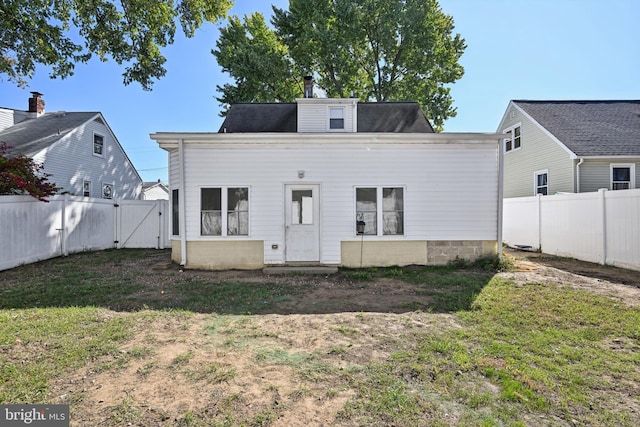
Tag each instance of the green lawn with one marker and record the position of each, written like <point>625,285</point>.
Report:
<point>515,355</point>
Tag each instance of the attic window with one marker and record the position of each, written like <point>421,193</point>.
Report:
<point>107,191</point>
<point>513,139</point>
<point>98,145</point>
<point>336,118</point>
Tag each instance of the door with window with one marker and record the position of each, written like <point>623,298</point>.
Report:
<point>302,225</point>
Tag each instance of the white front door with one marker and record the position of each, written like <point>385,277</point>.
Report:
<point>302,223</point>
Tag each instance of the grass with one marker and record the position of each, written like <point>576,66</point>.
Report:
<point>513,354</point>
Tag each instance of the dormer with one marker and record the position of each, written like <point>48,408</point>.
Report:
<point>327,114</point>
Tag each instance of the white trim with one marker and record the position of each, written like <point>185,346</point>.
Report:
<point>84,184</point>
<point>632,173</point>
<point>113,190</point>
<point>380,210</point>
<point>535,181</point>
<point>511,130</point>
<point>169,140</point>
<point>93,145</point>
<point>342,109</point>
<point>224,212</point>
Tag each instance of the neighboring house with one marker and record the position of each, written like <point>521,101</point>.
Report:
<point>570,146</point>
<point>78,149</point>
<point>331,182</point>
<point>155,190</point>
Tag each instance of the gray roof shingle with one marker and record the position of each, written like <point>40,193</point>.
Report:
<point>394,117</point>
<point>33,135</point>
<point>590,128</point>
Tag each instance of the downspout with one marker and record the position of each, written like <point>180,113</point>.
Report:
<point>500,195</point>
<point>578,175</point>
<point>182,206</point>
<point>355,115</point>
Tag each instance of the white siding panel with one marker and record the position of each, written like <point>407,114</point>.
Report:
<point>71,161</point>
<point>451,191</point>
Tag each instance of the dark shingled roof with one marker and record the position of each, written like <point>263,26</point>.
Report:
<point>282,117</point>
<point>258,117</point>
<point>33,135</point>
<point>396,117</point>
<point>590,128</point>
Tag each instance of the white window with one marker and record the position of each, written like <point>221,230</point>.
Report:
<point>387,216</point>
<point>541,182</point>
<point>107,191</point>
<point>336,118</point>
<point>234,201</point>
<point>623,176</point>
<point>98,145</point>
<point>86,188</point>
<point>513,140</point>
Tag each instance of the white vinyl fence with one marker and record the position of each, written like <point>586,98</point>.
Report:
<point>602,226</point>
<point>31,230</point>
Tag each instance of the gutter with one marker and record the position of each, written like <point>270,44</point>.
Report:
<point>182,206</point>
<point>578,174</point>
<point>500,197</point>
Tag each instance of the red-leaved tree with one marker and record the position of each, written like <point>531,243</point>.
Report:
<point>21,175</point>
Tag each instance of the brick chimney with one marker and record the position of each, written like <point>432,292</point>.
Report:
<point>36,105</point>
<point>308,87</point>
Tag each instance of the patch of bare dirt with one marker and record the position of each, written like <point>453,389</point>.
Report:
<point>279,369</point>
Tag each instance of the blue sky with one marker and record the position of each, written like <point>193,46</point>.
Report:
<point>517,49</point>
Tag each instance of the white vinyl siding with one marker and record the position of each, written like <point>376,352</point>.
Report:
<point>314,114</point>
<point>537,152</point>
<point>596,174</point>
<point>450,190</point>
<point>71,161</point>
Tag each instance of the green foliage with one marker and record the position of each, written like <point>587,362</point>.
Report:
<point>21,175</point>
<point>388,50</point>
<point>130,32</point>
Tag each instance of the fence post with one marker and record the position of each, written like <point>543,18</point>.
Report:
<point>603,209</point>
<point>63,226</point>
<point>539,215</point>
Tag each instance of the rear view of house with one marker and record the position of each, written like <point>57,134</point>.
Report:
<point>331,182</point>
<point>78,149</point>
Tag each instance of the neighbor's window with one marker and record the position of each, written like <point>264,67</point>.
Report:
<point>513,141</point>
<point>336,118</point>
<point>623,176</point>
<point>234,201</point>
<point>98,144</point>
<point>391,210</point>
<point>175,213</point>
<point>541,182</point>
<point>107,191</point>
<point>86,188</point>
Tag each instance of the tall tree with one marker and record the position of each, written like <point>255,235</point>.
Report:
<point>131,32</point>
<point>383,50</point>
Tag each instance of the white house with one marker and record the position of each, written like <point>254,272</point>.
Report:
<point>155,190</point>
<point>331,182</point>
<point>78,149</point>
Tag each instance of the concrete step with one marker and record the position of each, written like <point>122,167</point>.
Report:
<point>300,270</point>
